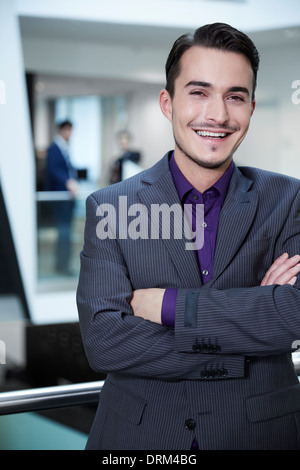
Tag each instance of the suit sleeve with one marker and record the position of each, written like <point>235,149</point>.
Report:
<point>57,171</point>
<point>254,321</point>
<point>114,339</point>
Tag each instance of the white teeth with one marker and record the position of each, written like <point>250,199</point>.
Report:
<point>211,134</point>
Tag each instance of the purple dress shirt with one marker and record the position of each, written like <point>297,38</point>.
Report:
<point>212,199</point>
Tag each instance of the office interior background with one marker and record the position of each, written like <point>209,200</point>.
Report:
<point>101,64</point>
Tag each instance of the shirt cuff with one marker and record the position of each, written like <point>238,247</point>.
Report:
<point>168,308</point>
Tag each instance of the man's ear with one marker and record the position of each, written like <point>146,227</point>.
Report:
<point>253,104</point>
<point>165,103</point>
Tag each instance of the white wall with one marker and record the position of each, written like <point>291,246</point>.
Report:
<point>90,59</point>
<point>273,139</point>
<point>152,131</point>
<point>16,158</point>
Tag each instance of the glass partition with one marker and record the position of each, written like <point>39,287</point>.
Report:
<point>60,223</point>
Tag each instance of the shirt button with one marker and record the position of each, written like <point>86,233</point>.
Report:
<point>205,272</point>
<point>204,224</point>
<point>195,197</point>
<point>190,424</point>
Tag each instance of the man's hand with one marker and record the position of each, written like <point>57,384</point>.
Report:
<point>283,271</point>
<point>147,303</point>
<point>73,187</point>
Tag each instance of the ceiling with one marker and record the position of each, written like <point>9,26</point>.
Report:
<point>131,35</point>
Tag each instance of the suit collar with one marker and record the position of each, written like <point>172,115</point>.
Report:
<point>238,182</point>
<point>153,174</point>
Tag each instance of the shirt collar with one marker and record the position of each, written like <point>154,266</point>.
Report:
<point>183,186</point>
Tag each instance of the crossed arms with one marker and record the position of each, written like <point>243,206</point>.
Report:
<point>119,337</point>
<point>147,303</point>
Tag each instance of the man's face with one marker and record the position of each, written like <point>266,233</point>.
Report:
<point>211,107</point>
<point>124,141</point>
<point>66,133</point>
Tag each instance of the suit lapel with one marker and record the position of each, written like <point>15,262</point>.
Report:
<point>161,190</point>
<point>235,220</point>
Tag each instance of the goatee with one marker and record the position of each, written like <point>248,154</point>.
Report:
<point>203,163</point>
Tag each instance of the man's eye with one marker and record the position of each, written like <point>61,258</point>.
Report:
<point>197,93</point>
<point>236,98</point>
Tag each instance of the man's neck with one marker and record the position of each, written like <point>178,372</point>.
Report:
<point>199,177</point>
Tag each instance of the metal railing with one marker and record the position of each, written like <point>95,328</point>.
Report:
<point>45,398</point>
<point>48,196</point>
<point>38,399</point>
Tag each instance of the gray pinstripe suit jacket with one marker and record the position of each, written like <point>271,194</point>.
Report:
<point>226,366</point>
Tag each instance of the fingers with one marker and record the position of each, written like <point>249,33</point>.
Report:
<point>292,281</point>
<point>283,271</point>
<point>278,262</point>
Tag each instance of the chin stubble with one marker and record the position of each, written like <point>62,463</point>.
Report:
<point>201,163</point>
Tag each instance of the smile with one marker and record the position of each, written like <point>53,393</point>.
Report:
<point>212,135</point>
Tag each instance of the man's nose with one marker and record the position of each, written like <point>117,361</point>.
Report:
<point>216,111</point>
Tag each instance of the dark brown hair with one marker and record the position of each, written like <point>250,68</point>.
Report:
<point>218,36</point>
<point>64,124</point>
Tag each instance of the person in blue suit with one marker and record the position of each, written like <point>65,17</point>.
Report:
<point>62,176</point>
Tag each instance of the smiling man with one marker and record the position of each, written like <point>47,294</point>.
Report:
<point>210,110</point>
<point>197,344</point>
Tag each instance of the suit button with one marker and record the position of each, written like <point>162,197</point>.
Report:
<point>204,374</point>
<point>190,424</point>
<point>197,347</point>
<point>224,373</point>
<point>214,373</point>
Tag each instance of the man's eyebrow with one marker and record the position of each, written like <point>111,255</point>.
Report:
<point>197,83</point>
<point>240,89</point>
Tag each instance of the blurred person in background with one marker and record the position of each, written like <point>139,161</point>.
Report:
<point>60,175</point>
<point>118,171</point>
